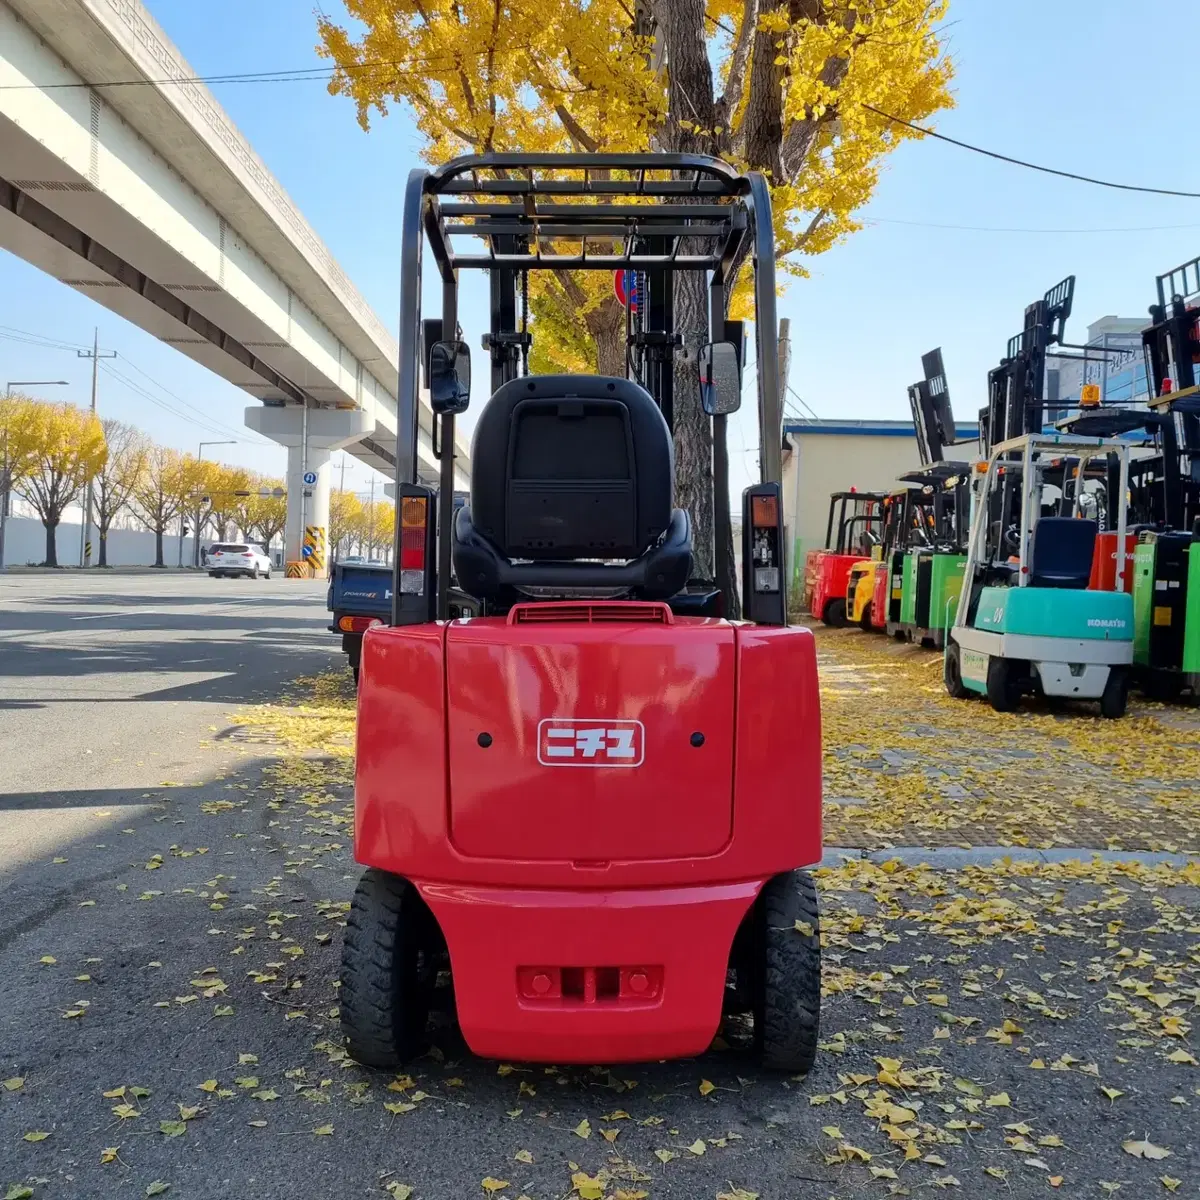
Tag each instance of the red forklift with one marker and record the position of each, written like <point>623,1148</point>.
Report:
<point>589,803</point>
<point>855,519</point>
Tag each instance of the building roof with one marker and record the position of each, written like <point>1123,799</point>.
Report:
<point>966,431</point>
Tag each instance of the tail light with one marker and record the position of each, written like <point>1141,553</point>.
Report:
<point>357,624</point>
<point>763,594</point>
<point>414,518</point>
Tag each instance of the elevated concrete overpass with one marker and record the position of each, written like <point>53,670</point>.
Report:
<point>148,199</point>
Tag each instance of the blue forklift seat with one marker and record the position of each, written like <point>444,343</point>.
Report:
<point>1061,551</point>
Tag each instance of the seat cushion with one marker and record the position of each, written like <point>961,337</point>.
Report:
<point>657,574</point>
<point>1060,552</point>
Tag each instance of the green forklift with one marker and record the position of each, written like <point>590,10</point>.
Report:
<point>934,556</point>
<point>1166,566</point>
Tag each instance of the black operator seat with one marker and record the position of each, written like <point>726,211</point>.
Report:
<point>572,478</point>
<point>1060,552</point>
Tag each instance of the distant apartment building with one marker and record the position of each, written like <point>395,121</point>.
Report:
<point>1112,360</point>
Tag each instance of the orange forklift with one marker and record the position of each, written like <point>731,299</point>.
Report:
<point>853,528</point>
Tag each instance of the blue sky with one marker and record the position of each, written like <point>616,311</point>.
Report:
<point>1064,84</point>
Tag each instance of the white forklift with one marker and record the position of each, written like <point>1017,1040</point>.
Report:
<point>1029,618</point>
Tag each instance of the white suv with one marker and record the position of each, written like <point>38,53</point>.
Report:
<point>238,558</point>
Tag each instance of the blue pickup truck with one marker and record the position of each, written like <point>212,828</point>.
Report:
<point>359,595</point>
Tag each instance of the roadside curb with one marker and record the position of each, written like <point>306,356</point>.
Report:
<point>100,572</point>
<point>949,858</point>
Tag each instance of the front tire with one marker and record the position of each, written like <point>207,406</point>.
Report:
<point>835,613</point>
<point>952,673</point>
<point>864,622</point>
<point>1115,695</point>
<point>385,992</point>
<point>1003,686</point>
<point>787,995</point>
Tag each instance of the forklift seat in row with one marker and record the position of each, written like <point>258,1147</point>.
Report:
<point>1061,551</point>
<point>572,478</point>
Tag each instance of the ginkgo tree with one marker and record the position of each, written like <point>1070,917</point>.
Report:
<point>63,450</point>
<point>113,485</point>
<point>802,90</point>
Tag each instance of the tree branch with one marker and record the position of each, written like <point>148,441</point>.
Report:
<point>735,83</point>
<point>580,136</point>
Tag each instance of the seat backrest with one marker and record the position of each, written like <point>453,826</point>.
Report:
<point>1061,551</point>
<point>571,466</point>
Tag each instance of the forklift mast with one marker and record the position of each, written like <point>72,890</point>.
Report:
<point>1171,346</point>
<point>1016,388</point>
<point>647,217</point>
<point>933,418</point>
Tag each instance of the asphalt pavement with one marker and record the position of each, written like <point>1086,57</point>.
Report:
<point>175,867</point>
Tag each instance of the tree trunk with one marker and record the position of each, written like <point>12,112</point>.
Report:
<point>51,525</point>
<point>103,559</point>
<point>606,324</point>
<point>693,429</point>
<point>158,547</point>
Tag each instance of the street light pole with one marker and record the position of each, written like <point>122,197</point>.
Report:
<point>5,468</point>
<point>85,545</point>
<point>196,538</point>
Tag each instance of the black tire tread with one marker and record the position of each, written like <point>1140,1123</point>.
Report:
<point>382,1014</point>
<point>1002,694</point>
<point>1116,694</point>
<point>835,613</point>
<point>788,1012</point>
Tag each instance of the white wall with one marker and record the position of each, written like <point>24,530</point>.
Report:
<point>25,543</point>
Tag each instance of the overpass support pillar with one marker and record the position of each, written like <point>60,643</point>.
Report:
<point>328,430</point>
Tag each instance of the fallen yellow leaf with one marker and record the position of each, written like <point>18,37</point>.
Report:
<point>1145,1149</point>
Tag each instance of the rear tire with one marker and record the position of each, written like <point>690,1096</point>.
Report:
<point>864,622</point>
<point>787,1004</point>
<point>254,573</point>
<point>384,999</point>
<point>835,613</point>
<point>1003,687</point>
<point>952,673</point>
<point>1116,694</point>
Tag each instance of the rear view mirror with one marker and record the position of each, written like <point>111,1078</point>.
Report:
<point>720,379</point>
<point>449,378</point>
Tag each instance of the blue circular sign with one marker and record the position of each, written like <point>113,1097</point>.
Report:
<point>310,477</point>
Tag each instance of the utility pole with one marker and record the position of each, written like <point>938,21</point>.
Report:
<point>85,544</point>
<point>785,362</point>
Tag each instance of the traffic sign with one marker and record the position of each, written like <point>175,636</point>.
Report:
<point>625,287</point>
<point>310,477</point>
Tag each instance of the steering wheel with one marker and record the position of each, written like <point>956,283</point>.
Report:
<point>1012,539</point>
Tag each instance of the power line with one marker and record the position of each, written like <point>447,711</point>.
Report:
<point>305,74</point>
<point>1018,162</point>
<point>292,75</point>
<point>1023,229</point>
<point>212,424</point>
